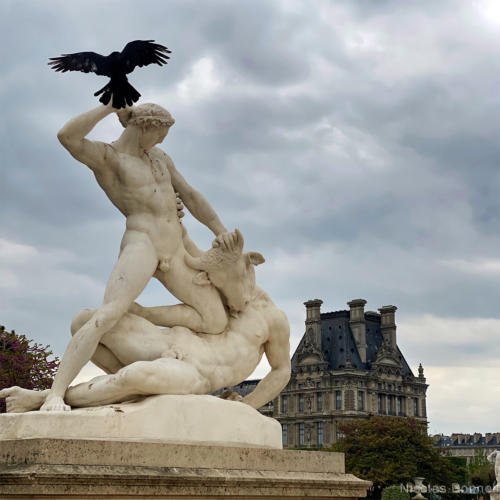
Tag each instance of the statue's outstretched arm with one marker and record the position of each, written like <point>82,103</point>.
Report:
<point>277,350</point>
<point>196,203</point>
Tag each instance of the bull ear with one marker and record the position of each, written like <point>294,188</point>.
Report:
<point>202,279</point>
<point>255,258</point>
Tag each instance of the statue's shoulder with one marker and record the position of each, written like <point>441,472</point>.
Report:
<point>158,152</point>
<point>268,308</point>
<point>161,155</point>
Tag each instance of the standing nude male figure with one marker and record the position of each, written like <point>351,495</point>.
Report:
<point>141,181</point>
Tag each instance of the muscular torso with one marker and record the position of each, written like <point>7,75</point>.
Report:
<point>232,356</point>
<point>224,359</point>
<point>141,188</point>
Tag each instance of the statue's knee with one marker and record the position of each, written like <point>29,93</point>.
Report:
<point>107,316</point>
<point>134,377</point>
<point>79,319</point>
<point>125,376</point>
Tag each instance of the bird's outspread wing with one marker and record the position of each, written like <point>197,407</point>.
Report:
<point>81,61</point>
<point>143,52</point>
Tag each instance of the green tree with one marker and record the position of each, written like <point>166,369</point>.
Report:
<point>395,493</point>
<point>392,451</point>
<point>459,465</point>
<point>481,472</point>
<point>24,363</point>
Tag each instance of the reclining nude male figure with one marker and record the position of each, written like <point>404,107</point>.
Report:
<point>141,181</point>
<point>147,360</point>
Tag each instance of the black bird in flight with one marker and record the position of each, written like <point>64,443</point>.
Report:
<point>117,65</point>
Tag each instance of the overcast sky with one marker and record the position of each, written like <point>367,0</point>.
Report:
<point>355,145</point>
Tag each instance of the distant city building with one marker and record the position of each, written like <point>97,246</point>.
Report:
<point>347,366</point>
<point>467,445</point>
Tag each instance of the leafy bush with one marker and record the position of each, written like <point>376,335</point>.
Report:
<point>395,493</point>
<point>391,450</point>
<point>24,363</point>
<point>481,472</point>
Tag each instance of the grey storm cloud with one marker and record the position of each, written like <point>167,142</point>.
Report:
<point>353,143</point>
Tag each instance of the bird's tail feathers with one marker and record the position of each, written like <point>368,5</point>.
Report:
<point>120,91</point>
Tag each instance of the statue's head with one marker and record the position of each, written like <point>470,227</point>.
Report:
<point>152,121</point>
<point>147,115</point>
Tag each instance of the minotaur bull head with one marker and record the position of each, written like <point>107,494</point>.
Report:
<point>229,269</point>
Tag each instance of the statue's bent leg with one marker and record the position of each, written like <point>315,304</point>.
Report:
<point>136,265</point>
<point>103,358</point>
<point>143,378</point>
<point>202,309</point>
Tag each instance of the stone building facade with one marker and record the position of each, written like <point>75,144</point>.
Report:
<point>346,366</point>
<point>467,445</point>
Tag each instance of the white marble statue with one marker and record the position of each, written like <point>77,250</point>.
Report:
<point>215,337</point>
<point>494,456</point>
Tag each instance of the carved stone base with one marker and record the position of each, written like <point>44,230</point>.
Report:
<point>57,468</point>
<point>185,419</point>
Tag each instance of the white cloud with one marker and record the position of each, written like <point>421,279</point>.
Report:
<point>8,279</point>
<point>15,253</point>
<point>41,289</point>
<point>201,82</point>
<point>460,358</point>
<point>430,330</point>
<point>490,10</point>
<point>463,399</point>
<point>488,267</point>
<point>48,270</point>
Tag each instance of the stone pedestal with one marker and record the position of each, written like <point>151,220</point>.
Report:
<point>169,419</point>
<point>100,469</point>
<point>175,447</point>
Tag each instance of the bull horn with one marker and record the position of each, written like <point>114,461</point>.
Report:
<point>239,239</point>
<point>194,262</point>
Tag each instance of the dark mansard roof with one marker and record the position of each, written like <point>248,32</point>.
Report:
<point>467,440</point>
<point>339,348</point>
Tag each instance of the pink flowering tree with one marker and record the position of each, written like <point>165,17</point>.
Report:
<point>24,363</point>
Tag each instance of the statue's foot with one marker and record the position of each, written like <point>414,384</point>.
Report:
<point>55,403</point>
<point>20,400</point>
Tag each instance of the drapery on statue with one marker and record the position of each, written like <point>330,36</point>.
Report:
<point>225,322</point>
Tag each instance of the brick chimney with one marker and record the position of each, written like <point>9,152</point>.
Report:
<point>358,325</point>
<point>313,321</point>
<point>388,325</point>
